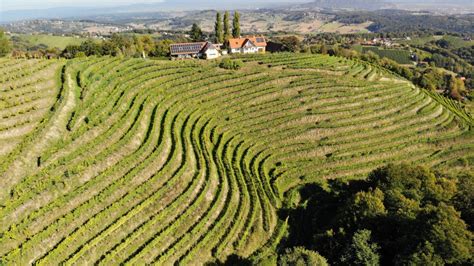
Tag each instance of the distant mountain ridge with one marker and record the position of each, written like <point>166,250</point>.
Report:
<point>166,6</point>
<point>350,4</point>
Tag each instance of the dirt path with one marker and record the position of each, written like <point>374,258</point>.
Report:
<point>26,162</point>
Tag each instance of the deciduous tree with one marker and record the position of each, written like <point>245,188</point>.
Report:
<point>300,256</point>
<point>362,251</point>
<point>5,45</point>
<point>196,33</point>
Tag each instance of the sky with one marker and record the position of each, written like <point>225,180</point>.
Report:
<point>6,5</point>
<point>33,4</point>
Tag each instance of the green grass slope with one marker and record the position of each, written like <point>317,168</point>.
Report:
<point>151,162</point>
<point>51,41</point>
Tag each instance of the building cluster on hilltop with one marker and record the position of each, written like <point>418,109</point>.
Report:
<point>227,41</point>
<point>208,50</point>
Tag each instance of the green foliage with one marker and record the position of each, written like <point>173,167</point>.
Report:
<point>361,251</point>
<point>5,45</point>
<point>80,55</point>
<point>70,51</point>
<point>228,63</point>
<point>218,29</point>
<point>299,256</point>
<point>397,55</point>
<point>90,48</point>
<point>227,29</point>
<point>291,43</point>
<point>464,198</point>
<point>368,204</point>
<point>425,255</point>
<point>236,25</point>
<point>196,33</point>
<point>162,48</point>
<point>119,46</point>
<point>456,88</point>
<point>401,213</point>
<point>35,41</point>
<point>191,171</point>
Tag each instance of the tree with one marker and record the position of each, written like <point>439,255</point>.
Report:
<point>228,63</point>
<point>146,44</point>
<point>464,198</point>
<point>218,29</point>
<point>90,48</point>
<point>5,46</point>
<point>368,204</point>
<point>196,33</point>
<point>456,88</point>
<point>401,214</point>
<point>425,255</point>
<point>227,33</point>
<point>299,256</point>
<point>236,25</point>
<point>447,232</point>
<point>70,51</point>
<point>291,43</point>
<point>162,48</point>
<point>361,251</point>
<point>80,55</point>
<point>121,45</point>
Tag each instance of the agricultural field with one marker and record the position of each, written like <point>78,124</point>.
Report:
<point>397,55</point>
<point>454,41</point>
<point>128,161</point>
<point>50,41</point>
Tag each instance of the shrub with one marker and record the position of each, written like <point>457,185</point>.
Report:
<point>80,55</point>
<point>227,63</point>
<point>301,256</point>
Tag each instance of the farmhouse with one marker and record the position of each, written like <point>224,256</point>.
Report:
<point>205,50</point>
<point>248,45</point>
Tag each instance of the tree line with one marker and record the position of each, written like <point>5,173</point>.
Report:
<point>222,29</point>
<point>400,215</point>
<point>5,45</point>
<point>401,22</point>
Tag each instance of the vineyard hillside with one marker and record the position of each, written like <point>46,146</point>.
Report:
<point>113,161</point>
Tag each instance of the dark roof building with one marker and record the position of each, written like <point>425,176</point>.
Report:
<point>187,48</point>
<point>205,50</point>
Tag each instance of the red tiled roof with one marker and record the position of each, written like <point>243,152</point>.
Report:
<point>258,41</point>
<point>237,43</point>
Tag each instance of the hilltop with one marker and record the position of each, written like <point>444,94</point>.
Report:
<point>113,160</point>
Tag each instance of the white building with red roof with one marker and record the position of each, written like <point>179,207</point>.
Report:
<point>247,45</point>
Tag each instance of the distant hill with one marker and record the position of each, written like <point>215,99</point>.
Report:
<point>62,12</point>
<point>350,4</point>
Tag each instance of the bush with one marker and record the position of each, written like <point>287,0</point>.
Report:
<point>227,63</point>
<point>80,55</point>
<point>301,256</point>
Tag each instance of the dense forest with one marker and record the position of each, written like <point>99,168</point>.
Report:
<point>399,215</point>
<point>404,22</point>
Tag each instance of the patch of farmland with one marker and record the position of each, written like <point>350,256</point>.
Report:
<point>397,55</point>
<point>153,162</point>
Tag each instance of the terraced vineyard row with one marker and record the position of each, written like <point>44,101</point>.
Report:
<point>146,162</point>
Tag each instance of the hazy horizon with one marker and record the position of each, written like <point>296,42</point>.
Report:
<point>17,5</point>
<point>14,5</point>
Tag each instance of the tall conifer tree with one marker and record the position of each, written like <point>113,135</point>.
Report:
<point>236,25</point>
<point>218,29</point>
<point>227,33</point>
